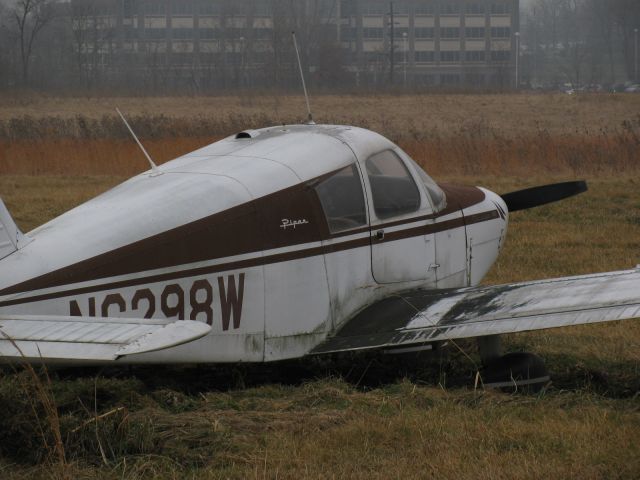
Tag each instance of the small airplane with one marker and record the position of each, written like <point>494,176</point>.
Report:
<point>281,243</point>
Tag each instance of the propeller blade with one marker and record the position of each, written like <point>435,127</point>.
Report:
<point>536,196</point>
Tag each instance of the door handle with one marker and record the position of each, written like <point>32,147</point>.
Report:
<point>434,266</point>
<point>380,235</point>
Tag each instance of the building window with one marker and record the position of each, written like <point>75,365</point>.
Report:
<point>183,7</point>
<point>348,33</point>
<point>425,57</point>
<point>262,9</point>
<point>130,33</point>
<point>233,58</point>
<point>474,32</point>
<point>500,8</point>
<point>182,33</point>
<point>207,7</point>
<point>475,9</point>
<point>500,56</point>
<point>500,32</point>
<point>155,33</point>
<point>374,8</point>
<point>475,56</point>
<point>424,8</point>
<point>129,8</point>
<point>449,8</point>
<point>449,57</point>
<point>474,79</point>
<point>424,80</point>
<point>347,8</point>
<point>424,32</point>
<point>400,8</point>
<point>209,33</point>
<point>182,58</point>
<point>261,33</point>
<point>450,79</point>
<point>450,32</point>
<point>377,33</point>
<point>155,8</point>
<point>375,57</point>
<point>399,32</point>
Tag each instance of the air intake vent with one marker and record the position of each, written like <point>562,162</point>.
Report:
<point>247,134</point>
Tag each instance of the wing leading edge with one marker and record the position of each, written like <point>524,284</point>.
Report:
<point>427,316</point>
<point>60,339</point>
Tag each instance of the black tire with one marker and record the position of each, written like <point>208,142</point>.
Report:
<point>521,371</point>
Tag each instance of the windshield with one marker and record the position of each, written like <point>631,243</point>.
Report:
<point>436,194</point>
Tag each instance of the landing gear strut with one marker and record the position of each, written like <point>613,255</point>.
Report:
<point>513,371</point>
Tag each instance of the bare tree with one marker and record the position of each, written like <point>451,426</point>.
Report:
<point>31,16</point>
<point>574,44</point>
<point>91,35</point>
<point>627,16</point>
<point>5,59</point>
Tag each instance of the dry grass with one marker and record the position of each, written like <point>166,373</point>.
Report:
<point>366,417</point>
<point>450,135</point>
<point>357,419</point>
<point>467,153</point>
<point>510,115</point>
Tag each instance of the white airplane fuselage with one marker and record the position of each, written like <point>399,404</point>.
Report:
<point>239,235</point>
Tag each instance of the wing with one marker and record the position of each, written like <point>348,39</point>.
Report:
<point>422,317</point>
<point>62,339</point>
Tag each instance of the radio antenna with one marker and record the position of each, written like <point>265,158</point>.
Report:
<point>154,168</point>
<point>304,85</point>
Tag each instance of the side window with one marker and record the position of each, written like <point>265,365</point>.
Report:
<point>342,200</point>
<point>393,189</point>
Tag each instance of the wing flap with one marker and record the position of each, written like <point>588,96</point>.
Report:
<point>91,339</point>
<point>423,317</point>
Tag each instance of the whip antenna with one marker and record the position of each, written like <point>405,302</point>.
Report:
<point>304,85</point>
<point>154,167</point>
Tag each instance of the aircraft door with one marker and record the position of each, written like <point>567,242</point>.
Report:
<point>402,239</point>
<point>451,248</point>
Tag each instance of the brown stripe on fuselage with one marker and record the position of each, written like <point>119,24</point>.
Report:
<point>249,228</point>
<point>264,260</point>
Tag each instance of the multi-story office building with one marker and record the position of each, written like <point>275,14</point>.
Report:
<point>446,42</point>
<point>248,42</point>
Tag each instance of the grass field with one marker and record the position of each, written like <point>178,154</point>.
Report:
<point>512,135</point>
<point>365,416</point>
<point>510,114</point>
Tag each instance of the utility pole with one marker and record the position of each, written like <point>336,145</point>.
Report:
<point>636,34</point>
<point>243,66</point>
<point>392,45</point>
<point>517,60</point>
<point>404,48</point>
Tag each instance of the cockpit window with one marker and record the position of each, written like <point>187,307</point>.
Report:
<point>342,200</point>
<point>436,194</point>
<point>393,189</point>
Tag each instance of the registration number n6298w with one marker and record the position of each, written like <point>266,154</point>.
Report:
<point>173,302</point>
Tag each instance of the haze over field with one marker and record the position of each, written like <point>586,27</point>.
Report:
<point>563,116</point>
<point>93,47</point>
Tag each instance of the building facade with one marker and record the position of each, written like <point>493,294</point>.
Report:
<point>223,43</point>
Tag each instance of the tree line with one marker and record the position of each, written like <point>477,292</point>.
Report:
<point>45,44</point>
<point>580,42</point>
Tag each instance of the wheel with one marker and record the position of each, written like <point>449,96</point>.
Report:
<point>516,372</point>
